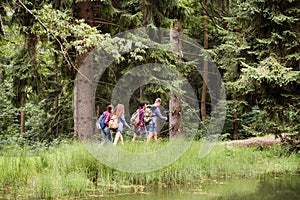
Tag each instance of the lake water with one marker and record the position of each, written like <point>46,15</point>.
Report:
<point>275,188</point>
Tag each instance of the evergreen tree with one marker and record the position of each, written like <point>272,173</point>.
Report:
<point>259,56</point>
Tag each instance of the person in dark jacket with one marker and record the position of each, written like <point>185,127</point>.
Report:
<point>106,134</point>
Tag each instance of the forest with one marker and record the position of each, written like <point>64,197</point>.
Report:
<point>253,44</point>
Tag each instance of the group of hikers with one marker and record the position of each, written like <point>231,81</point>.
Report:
<point>113,120</point>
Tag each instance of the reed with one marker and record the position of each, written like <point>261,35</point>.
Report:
<point>70,170</point>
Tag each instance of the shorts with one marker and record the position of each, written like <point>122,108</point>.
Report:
<point>152,127</point>
<point>120,127</point>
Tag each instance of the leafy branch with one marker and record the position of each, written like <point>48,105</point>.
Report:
<point>65,54</point>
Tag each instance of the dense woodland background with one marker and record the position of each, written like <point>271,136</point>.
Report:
<point>254,43</point>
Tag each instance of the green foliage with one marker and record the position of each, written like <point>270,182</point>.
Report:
<point>270,71</point>
<point>63,26</point>
<point>259,55</point>
<point>9,116</point>
<point>254,122</point>
<point>254,43</point>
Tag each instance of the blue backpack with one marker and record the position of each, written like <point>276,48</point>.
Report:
<point>100,122</point>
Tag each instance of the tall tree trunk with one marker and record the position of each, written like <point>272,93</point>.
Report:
<point>22,106</point>
<point>205,63</point>
<point>31,42</point>
<point>84,99</point>
<point>85,11</point>
<point>175,119</point>
<point>235,124</point>
<point>146,9</point>
<point>175,114</point>
<point>56,103</point>
<point>235,121</point>
<point>84,107</point>
<point>2,30</point>
<point>141,92</point>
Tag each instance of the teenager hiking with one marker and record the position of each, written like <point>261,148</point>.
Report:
<point>119,112</point>
<point>155,115</point>
<point>140,127</point>
<point>106,134</point>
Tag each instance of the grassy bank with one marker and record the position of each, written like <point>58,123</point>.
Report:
<point>69,170</point>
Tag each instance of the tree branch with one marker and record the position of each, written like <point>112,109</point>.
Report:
<point>2,27</point>
<point>65,55</point>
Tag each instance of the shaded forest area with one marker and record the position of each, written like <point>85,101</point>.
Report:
<point>255,45</point>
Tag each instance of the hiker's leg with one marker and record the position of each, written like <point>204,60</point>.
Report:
<point>135,133</point>
<point>133,139</point>
<point>151,127</point>
<point>155,136</point>
<point>108,135</point>
<point>154,132</point>
<point>103,137</point>
<point>145,132</point>
<point>105,133</point>
<point>116,138</point>
<point>121,137</point>
<point>149,137</point>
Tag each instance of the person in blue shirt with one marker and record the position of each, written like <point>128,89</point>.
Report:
<point>155,115</point>
<point>119,111</point>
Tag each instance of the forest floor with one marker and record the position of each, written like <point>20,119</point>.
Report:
<point>257,141</point>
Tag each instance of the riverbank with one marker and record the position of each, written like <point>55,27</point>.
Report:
<point>69,169</point>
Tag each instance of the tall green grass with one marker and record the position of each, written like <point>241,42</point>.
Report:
<point>69,169</point>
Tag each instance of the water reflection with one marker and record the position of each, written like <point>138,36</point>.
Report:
<point>275,188</point>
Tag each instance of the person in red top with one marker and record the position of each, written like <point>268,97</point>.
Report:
<point>140,127</point>
<point>106,134</point>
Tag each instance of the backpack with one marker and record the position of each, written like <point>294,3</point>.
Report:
<point>135,117</point>
<point>100,122</point>
<point>113,122</point>
<point>148,114</point>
